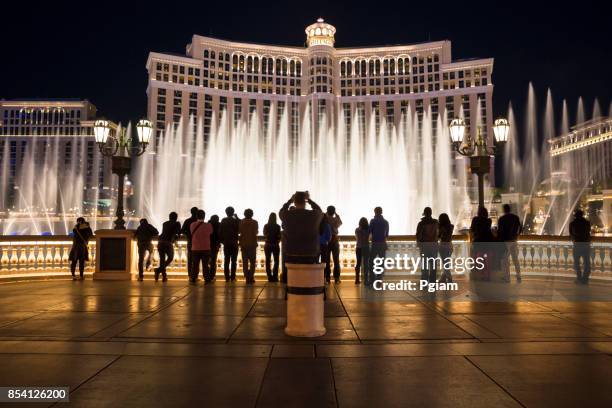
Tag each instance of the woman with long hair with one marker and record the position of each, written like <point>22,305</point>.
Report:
<point>362,251</point>
<point>272,236</point>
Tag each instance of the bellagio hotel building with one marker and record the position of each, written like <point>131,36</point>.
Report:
<point>243,79</point>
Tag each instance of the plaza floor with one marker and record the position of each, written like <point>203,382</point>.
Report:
<point>133,344</point>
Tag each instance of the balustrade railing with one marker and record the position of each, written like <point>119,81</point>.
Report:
<point>42,256</point>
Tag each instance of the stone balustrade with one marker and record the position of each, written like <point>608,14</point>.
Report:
<point>42,256</point>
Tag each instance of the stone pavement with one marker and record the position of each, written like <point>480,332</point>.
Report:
<point>130,344</point>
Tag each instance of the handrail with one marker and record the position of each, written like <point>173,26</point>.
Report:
<point>539,238</point>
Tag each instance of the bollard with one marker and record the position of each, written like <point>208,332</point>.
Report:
<point>305,300</point>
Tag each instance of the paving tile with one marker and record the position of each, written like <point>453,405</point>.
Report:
<point>273,329</point>
<point>195,305</point>
<point>293,351</point>
<point>533,347</point>
<point>600,322</point>
<point>532,326</point>
<point>122,304</point>
<point>406,327</point>
<point>49,370</point>
<point>579,307</point>
<point>11,317</point>
<point>60,347</point>
<point>490,307</point>
<point>363,307</point>
<point>297,382</point>
<point>27,303</point>
<point>188,327</point>
<point>199,350</point>
<point>552,381</point>
<point>137,381</point>
<point>385,350</point>
<point>415,381</point>
<point>62,324</point>
<point>602,346</point>
<point>278,308</point>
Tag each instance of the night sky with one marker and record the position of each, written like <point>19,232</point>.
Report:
<point>98,50</point>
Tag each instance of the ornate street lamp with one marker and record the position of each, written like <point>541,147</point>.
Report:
<point>478,151</point>
<point>121,149</point>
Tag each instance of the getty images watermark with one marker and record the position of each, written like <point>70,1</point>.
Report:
<point>458,265</point>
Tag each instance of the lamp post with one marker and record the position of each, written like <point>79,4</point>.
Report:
<point>121,149</point>
<point>478,151</point>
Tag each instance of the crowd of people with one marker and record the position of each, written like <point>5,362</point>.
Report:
<point>309,235</point>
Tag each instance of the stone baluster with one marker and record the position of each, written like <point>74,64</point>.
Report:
<point>607,260</point>
<point>31,264</point>
<point>40,258</point>
<point>553,263</point>
<point>4,258</point>
<point>569,266</point>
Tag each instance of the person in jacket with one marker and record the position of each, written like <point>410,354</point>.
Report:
<point>301,229</point>
<point>482,242</point>
<point>81,234</point>
<point>362,251</point>
<point>334,221</point>
<point>508,230</point>
<point>228,235</point>
<point>215,244</point>
<point>379,231</point>
<point>171,230</point>
<point>144,236</point>
<point>186,231</point>
<point>248,230</point>
<point>427,241</point>
<point>580,232</point>
<point>200,247</point>
<point>325,236</point>
<point>272,238</point>
<point>445,245</point>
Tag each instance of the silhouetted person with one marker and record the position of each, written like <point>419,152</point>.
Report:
<point>445,245</point>
<point>248,245</point>
<point>482,238</point>
<point>427,241</point>
<point>81,234</point>
<point>215,244</point>
<point>301,229</point>
<point>379,231</point>
<point>171,230</point>
<point>272,238</point>
<point>200,248</point>
<point>186,231</point>
<point>283,255</point>
<point>580,232</point>
<point>325,236</point>
<point>228,234</point>
<point>362,251</point>
<point>508,230</point>
<point>144,236</point>
<point>334,221</point>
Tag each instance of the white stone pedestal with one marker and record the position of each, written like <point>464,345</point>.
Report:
<point>116,256</point>
<point>305,300</point>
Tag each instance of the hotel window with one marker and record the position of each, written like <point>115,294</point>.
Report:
<point>237,111</point>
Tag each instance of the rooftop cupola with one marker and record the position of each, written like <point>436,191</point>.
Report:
<point>320,33</point>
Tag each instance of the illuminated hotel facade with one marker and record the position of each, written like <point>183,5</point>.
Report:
<point>39,136</point>
<point>585,153</point>
<point>373,83</point>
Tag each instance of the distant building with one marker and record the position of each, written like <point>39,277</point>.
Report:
<point>585,153</point>
<point>371,83</point>
<point>43,137</point>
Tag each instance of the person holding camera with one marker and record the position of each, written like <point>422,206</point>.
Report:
<point>301,229</point>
